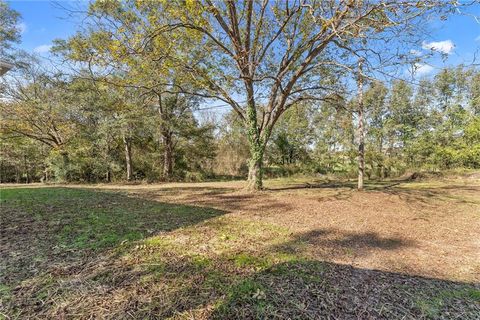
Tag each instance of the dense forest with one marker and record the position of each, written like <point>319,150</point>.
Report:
<point>135,97</point>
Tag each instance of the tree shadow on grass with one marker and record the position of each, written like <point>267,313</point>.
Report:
<point>45,227</point>
<point>197,191</point>
<point>262,287</point>
<point>426,195</point>
<point>351,184</point>
<point>422,194</point>
<point>217,197</point>
<point>163,277</point>
<point>171,275</point>
<point>319,290</point>
<point>306,288</point>
<point>332,243</point>
<point>298,289</point>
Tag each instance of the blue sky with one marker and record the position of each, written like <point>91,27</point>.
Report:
<point>43,21</point>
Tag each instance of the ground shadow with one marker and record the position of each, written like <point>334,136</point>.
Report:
<point>43,227</point>
<point>321,290</point>
<point>166,275</point>
<point>399,187</point>
<point>218,197</point>
<point>200,190</point>
<point>192,286</point>
<point>306,288</point>
<point>425,195</point>
<point>350,184</point>
<point>331,243</point>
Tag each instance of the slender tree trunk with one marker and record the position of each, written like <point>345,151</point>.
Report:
<point>66,166</point>
<point>381,167</point>
<point>108,174</point>
<point>361,150</point>
<point>361,130</point>
<point>17,175</point>
<point>257,149</point>
<point>167,154</point>
<point>167,137</point>
<point>26,169</point>
<point>128,157</point>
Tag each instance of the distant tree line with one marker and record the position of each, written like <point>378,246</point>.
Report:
<point>125,101</point>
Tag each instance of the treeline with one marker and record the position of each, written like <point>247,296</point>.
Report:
<point>56,129</point>
<point>85,132</point>
<point>310,88</point>
<point>431,125</point>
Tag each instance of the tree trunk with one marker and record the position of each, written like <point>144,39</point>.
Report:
<point>128,157</point>
<point>167,155</point>
<point>27,180</point>
<point>255,170</point>
<point>45,175</point>
<point>361,150</point>
<point>167,136</point>
<point>382,171</point>
<point>108,174</point>
<point>257,148</point>
<point>66,166</point>
<point>381,167</point>
<point>361,130</point>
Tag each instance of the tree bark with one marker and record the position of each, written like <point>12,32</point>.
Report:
<point>257,149</point>
<point>255,168</point>
<point>361,130</point>
<point>128,157</point>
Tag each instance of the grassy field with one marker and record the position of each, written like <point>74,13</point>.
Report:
<point>299,250</point>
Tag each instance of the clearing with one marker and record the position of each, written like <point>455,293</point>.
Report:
<point>399,250</point>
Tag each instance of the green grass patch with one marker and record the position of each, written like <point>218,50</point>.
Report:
<point>90,219</point>
<point>433,306</point>
<point>245,293</point>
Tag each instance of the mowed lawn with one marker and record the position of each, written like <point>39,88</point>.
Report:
<point>299,250</point>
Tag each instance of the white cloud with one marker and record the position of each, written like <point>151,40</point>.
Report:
<point>22,27</point>
<point>44,48</point>
<point>445,47</point>
<point>477,38</point>
<point>420,69</point>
